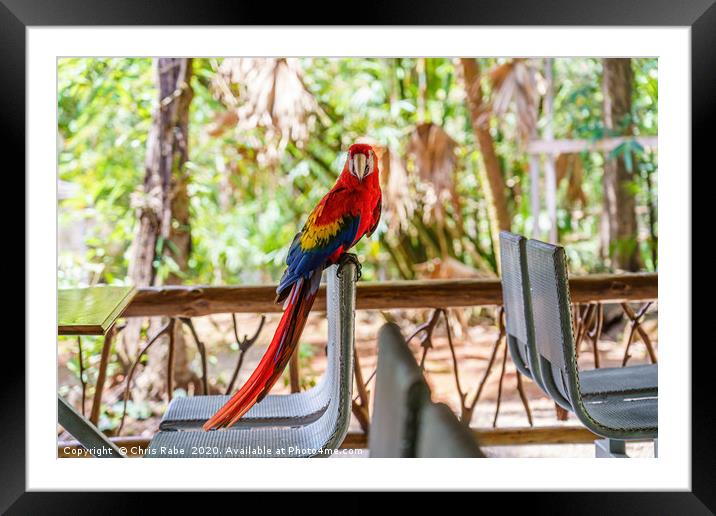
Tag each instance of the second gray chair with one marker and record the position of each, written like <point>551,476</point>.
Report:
<point>617,415</point>
<point>641,379</point>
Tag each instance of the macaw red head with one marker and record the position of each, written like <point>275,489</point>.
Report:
<point>361,161</point>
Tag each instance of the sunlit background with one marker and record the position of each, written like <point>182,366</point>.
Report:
<point>267,139</point>
<point>458,141</point>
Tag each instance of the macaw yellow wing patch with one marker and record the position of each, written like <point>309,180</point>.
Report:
<point>315,236</point>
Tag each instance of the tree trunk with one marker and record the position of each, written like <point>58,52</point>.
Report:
<point>619,226</point>
<point>497,200</point>
<point>163,232</point>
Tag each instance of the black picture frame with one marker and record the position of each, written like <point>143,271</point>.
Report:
<point>700,15</point>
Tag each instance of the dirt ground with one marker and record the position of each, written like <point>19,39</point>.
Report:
<point>473,344</point>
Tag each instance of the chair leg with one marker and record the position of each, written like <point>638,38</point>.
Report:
<point>85,432</point>
<point>610,449</point>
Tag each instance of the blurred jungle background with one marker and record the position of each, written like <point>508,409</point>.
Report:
<point>563,149</point>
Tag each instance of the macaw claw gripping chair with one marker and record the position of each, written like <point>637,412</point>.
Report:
<point>616,414</point>
<point>641,379</point>
<point>311,423</point>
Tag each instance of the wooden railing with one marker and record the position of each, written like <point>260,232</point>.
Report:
<point>588,293</point>
<point>194,301</point>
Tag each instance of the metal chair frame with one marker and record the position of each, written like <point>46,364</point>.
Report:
<point>618,415</point>
<point>314,428</point>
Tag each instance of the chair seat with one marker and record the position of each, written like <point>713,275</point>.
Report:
<point>312,423</point>
<point>626,414</point>
<point>275,410</point>
<point>610,380</point>
<point>314,439</point>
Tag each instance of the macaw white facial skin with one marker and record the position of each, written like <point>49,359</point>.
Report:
<point>360,166</point>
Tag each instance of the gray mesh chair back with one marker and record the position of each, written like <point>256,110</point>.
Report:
<point>318,437</point>
<point>521,340</point>
<point>518,313</point>
<point>299,408</point>
<point>440,434</point>
<point>400,392</point>
<point>614,416</point>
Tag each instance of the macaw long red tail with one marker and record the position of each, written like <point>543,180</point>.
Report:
<point>299,303</point>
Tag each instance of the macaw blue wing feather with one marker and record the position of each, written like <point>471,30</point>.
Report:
<point>313,245</point>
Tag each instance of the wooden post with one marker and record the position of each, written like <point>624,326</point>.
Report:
<point>163,228</point>
<point>549,168</point>
<point>534,195</point>
<point>102,374</point>
<point>619,222</point>
<point>360,410</point>
<point>293,372</point>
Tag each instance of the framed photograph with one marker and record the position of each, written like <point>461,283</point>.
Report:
<point>423,243</point>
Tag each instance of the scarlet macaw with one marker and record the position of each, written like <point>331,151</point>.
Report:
<point>350,210</point>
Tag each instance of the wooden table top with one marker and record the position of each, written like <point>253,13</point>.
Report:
<point>91,311</point>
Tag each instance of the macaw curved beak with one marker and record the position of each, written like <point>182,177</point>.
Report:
<point>359,162</point>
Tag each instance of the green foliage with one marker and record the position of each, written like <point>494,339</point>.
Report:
<point>104,116</point>
<point>91,356</point>
<point>244,213</point>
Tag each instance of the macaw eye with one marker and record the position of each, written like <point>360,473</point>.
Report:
<point>369,164</point>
